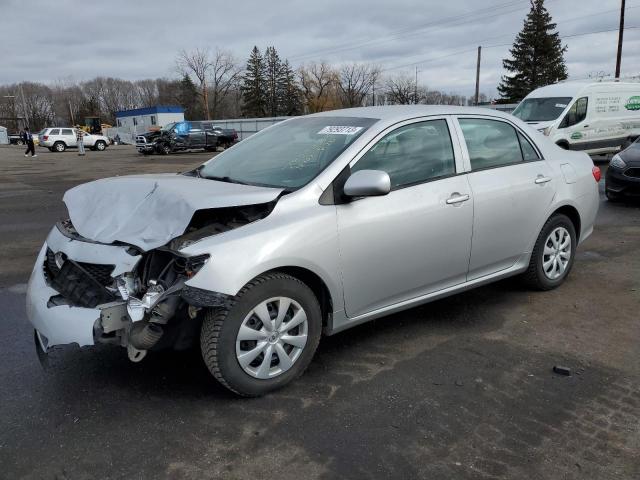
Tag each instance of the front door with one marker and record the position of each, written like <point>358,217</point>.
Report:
<point>196,136</point>
<point>512,189</point>
<point>416,239</point>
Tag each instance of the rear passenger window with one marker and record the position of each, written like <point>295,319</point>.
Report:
<point>67,131</point>
<point>412,154</point>
<point>491,143</point>
<point>55,131</point>
<point>528,152</point>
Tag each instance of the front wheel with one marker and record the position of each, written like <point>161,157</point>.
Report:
<point>100,145</point>
<point>265,338</point>
<point>164,149</point>
<point>553,254</point>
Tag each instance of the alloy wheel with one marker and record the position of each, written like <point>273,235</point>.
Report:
<point>557,253</point>
<point>272,337</point>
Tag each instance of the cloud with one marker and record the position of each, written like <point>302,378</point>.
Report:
<point>133,40</point>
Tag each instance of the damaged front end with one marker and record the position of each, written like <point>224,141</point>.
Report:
<point>87,292</point>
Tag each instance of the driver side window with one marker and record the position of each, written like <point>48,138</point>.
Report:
<point>412,154</point>
<point>576,114</point>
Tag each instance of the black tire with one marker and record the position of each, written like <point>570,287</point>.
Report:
<point>535,277</point>
<point>220,328</point>
<point>59,147</point>
<point>164,149</point>
<point>19,142</point>
<point>100,146</point>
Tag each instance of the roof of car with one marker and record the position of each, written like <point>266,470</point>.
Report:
<point>402,112</point>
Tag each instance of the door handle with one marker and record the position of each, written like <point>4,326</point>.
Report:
<point>456,198</point>
<point>541,179</point>
<point>585,126</point>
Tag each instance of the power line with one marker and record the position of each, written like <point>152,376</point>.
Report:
<point>446,21</point>
<point>429,60</point>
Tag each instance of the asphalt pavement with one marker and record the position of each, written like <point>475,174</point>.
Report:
<point>461,388</point>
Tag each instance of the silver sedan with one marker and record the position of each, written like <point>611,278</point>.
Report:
<point>310,227</point>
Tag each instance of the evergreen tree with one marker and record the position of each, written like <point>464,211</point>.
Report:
<point>254,86</point>
<point>188,98</point>
<point>290,101</point>
<point>274,81</point>
<point>537,56</point>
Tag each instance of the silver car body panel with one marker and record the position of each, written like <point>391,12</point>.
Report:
<point>149,210</point>
<point>376,255</point>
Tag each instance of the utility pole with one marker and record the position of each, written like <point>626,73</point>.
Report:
<point>373,93</point>
<point>620,34</point>
<point>415,89</point>
<point>73,122</point>
<point>478,75</point>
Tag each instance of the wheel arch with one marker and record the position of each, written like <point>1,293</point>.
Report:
<point>317,286</point>
<point>564,144</point>
<point>573,214</point>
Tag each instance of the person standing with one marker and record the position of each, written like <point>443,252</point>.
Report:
<point>28,139</point>
<point>80,141</point>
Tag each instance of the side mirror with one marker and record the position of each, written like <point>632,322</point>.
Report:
<point>367,183</point>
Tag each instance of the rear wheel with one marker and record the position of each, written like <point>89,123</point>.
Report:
<point>265,338</point>
<point>59,147</point>
<point>19,142</point>
<point>553,254</point>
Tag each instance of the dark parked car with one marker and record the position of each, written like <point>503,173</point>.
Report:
<point>188,135</point>
<point>623,174</point>
<point>16,139</point>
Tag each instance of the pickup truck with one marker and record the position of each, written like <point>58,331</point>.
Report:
<point>187,135</point>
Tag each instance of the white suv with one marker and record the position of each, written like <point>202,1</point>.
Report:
<point>59,139</point>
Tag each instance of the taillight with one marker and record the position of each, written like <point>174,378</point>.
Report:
<point>45,137</point>
<point>597,174</point>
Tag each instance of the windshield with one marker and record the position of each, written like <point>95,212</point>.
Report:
<point>541,109</point>
<point>289,154</point>
<point>168,126</point>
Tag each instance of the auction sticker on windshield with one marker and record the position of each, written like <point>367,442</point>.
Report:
<point>339,130</point>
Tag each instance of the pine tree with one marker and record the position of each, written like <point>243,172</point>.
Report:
<point>254,87</point>
<point>290,100</point>
<point>537,56</point>
<point>188,98</point>
<point>274,80</point>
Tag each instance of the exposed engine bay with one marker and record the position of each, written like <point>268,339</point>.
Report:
<point>139,297</point>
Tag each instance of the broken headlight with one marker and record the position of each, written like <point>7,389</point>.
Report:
<point>194,264</point>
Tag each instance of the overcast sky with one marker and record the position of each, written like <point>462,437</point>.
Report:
<point>47,41</point>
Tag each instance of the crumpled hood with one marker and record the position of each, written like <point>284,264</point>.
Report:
<point>149,210</point>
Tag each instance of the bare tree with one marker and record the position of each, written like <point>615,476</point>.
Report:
<point>402,90</point>
<point>147,92</point>
<point>355,81</point>
<point>225,73</point>
<point>317,82</point>
<point>199,63</point>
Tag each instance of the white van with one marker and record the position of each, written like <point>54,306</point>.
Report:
<point>596,117</point>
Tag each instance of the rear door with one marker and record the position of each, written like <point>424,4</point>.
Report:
<point>68,137</point>
<point>512,189</point>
